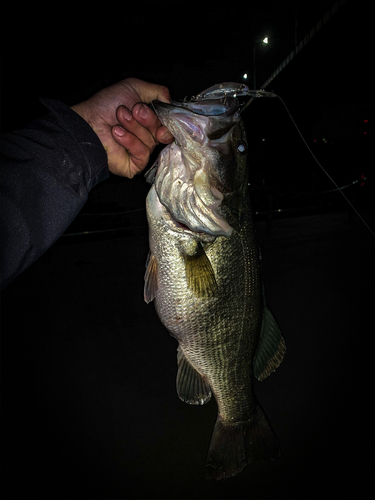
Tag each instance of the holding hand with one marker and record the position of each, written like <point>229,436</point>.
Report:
<point>128,129</point>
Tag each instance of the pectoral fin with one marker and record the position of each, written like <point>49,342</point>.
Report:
<point>192,388</point>
<point>271,348</point>
<point>151,280</point>
<point>199,274</point>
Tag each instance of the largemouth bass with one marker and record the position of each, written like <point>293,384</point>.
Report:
<point>203,273</point>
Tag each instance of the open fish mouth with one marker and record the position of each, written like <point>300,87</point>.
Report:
<point>201,121</point>
<point>186,179</point>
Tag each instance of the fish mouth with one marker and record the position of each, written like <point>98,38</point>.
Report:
<point>186,181</point>
<point>223,107</point>
<point>199,123</point>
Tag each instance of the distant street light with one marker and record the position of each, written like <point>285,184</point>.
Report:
<point>265,41</point>
<point>243,77</point>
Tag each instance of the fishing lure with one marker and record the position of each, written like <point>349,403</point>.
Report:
<point>230,89</point>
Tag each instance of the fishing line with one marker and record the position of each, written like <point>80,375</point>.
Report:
<point>320,165</point>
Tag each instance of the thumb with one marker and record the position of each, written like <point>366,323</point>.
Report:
<point>150,91</point>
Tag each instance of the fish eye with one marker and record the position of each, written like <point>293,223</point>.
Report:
<point>241,148</point>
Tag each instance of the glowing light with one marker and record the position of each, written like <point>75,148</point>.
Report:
<point>245,76</point>
<point>265,40</point>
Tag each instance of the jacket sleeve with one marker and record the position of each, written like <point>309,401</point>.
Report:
<point>47,171</point>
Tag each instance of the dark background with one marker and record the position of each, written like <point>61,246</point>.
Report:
<point>69,52</point>
<point>89,407</point>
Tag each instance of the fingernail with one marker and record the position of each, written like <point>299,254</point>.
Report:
<point>167,136</point>
<point>119,130</point>
<point>143,111</point>
<point>126,113</point>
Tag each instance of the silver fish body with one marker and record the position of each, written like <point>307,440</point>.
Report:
<point>203,274</point>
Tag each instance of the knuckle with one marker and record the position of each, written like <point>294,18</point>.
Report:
<point>164,90</point>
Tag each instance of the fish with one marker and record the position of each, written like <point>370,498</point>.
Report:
<point>203,274</point>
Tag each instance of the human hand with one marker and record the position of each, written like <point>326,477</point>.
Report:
<point>128,129</point>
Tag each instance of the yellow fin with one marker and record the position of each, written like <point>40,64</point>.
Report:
<point>199,274</point>
<point>151,279</point>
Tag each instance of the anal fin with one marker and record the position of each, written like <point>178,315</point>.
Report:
<point>192,388</point>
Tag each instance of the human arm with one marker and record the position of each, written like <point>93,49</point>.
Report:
<point>49,167</point>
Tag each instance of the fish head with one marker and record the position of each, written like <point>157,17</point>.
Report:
<point>206,165</point>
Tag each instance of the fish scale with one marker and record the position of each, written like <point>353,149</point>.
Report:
<point>206,327</point>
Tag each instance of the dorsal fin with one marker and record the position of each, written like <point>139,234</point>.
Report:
<point>271,348</point>
<point>192,388</point>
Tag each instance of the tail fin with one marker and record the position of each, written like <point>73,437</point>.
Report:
<point>234,446</point>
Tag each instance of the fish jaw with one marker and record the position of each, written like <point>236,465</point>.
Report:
<point>191,180</point>
<point>193,124</point>
<point>186,127</point>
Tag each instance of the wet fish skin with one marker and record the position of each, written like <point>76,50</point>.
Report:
<point>208,293</point>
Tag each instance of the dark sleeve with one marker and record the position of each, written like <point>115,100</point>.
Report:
<point>47,171</point>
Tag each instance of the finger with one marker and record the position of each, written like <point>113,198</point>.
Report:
<point>163,135</point>
<point>150,91</point>
<point>145,116</point>
<point>134,150</point>
<point>129,123</point>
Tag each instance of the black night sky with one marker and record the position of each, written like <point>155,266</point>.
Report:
<point>70,53</point>
<point>89,407</point>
